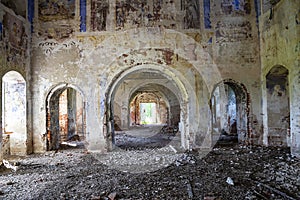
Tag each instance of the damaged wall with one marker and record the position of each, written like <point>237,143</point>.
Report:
<point>279,31</point>
<point>91,45</point>
<point>14,57</point>
<point>235,49</point>
<point>278,106</point>
<point>196,56</point>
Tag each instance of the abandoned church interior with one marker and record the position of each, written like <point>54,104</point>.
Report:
<point>94,85</point>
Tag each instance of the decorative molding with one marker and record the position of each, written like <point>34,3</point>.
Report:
<point>51,47</point>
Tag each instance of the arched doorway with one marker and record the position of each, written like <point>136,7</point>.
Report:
<point>148,108</point>
<point>159,51</point>
<point>65,118</point>
<point>165,102</point>
<point>14,113</point>
<point>278,108</point>
<point>150,87</point>
<point>229,108</point>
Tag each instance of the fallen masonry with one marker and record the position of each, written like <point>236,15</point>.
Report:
<point>256,173</point>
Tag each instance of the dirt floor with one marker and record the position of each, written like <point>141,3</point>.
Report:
<point>148,169</point>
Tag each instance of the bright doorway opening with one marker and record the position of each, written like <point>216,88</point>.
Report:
<point>148,113</point>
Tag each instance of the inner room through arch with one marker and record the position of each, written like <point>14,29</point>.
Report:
<point>146,111</point>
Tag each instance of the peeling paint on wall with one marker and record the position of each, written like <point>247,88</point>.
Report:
<point>206,7</point>
<point>56,10</point>
<point>192,14</point>
<point>14,31</point>
<point>30,12</point>
<point>236,7</point>
<point>233,31</point>
<point>99,13</point>
<point>278,106</point>
<point>83,15</point>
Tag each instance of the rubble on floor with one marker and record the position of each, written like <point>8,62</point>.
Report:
<point>256,173</point>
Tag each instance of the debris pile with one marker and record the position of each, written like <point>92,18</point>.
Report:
<point>225,173</point>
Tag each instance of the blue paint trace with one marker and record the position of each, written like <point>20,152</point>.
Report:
<point>0,31</point>
<point>257,9</point>
<point>206,6</point>
<point>210,40</point>
<point>82,15</point>
<point>236,4</point>
<point>30,7</point>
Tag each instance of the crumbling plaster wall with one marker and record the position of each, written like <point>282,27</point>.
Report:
<point>14,56</point>
<point>187,96</point>
<point>93,76</point>
<point>88,60</point>
<point>165,59</point>
<point>279,38</point>
<point>235,50</point>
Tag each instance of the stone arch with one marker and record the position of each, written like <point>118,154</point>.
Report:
<point>65,117</point>
<point>153,37</point>
<point>139,103</point>
<point>167,95</point>
<point>134,91</point>
<point>184,116</point>
<point>181,45</point>
<point>233,119</point>
<point>14,113</point>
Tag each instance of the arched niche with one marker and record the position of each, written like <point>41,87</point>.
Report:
<point>278,108</point>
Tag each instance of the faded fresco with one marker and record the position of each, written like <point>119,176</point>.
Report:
<point>14,31</point>
<point>57,32</point>
<point>51,10</point>
<point>138,13</point>
<point>233,31</point>
<point>15,36</point>
<point>191,14</point>
<point>56,9</point>
<point>145,13</point>
<point>278,105</point>
<point>235,7</point>
<point>16,5</point>
<point>100,9</point>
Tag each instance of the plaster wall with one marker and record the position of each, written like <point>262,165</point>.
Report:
<point>195,60</point>
<point>279,39</point>
<point>14,56</point>
<point>235,50</point>
<point>72,46</point>
<point>67,50</point>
